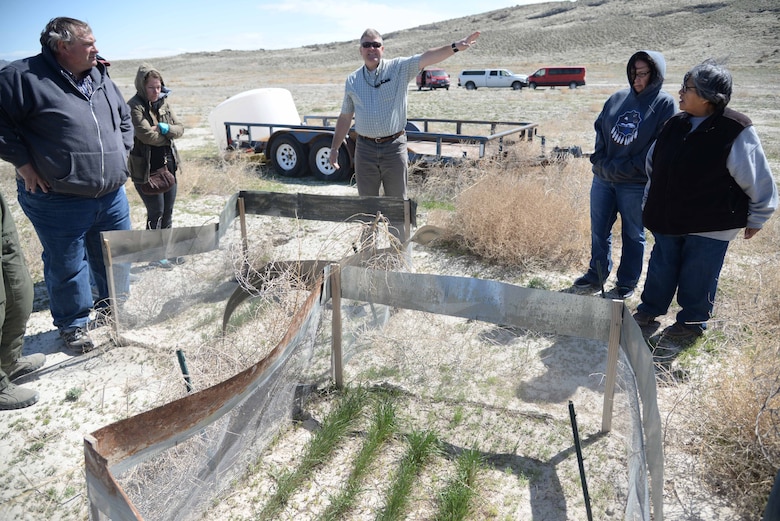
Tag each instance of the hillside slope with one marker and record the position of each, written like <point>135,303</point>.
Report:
<point>745,32</point>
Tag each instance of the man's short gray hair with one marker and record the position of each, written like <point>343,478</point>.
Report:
<point>63,29</point>
<point>712,82</point>
<point>371,33</point>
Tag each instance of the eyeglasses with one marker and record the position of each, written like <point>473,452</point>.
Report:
<point>685,88</point>
<point>641,75</point>
<point>368,45</point>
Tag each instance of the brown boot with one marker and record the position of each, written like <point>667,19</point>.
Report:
<point>17,397</point>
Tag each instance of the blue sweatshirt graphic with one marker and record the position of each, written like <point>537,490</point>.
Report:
<point>629,123</point>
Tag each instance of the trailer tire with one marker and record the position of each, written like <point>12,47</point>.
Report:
<point>289,157</point>
<point>319,160</point>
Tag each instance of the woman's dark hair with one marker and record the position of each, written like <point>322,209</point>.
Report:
<point>712,82</point>
<point>63,29</point>
<point>641,55</point>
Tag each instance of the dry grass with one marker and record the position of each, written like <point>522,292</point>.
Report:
<point>538,223</point>
<point>738,420</point>
<point>740,427</point>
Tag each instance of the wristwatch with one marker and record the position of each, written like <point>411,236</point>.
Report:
<point>454,47</point>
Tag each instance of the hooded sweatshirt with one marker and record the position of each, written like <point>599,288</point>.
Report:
<point>630,122</point>
<point>150,145</point>
<point>77,144</point>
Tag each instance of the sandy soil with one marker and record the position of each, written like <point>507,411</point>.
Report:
<point>511,384</point>
<point>42,446</point>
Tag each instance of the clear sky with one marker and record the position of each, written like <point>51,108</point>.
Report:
<point>153,28</point>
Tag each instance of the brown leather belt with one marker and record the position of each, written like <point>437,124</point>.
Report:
<point>383,139</point>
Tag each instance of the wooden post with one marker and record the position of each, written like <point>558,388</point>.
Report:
<point>612,357</point>
<point>112,297</point>
<point>244,240</point>
<point>407,220</point>
<point>337,361</point>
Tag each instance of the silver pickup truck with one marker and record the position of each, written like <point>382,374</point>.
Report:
<point>472,79</point>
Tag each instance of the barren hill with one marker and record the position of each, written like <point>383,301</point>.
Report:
<point>745,32</point>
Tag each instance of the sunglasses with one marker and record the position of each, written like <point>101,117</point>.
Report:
<point>368,45</point>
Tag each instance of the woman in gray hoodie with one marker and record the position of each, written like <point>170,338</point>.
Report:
<point>625,129</point>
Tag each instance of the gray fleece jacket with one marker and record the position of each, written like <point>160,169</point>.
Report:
<point>79,145</point>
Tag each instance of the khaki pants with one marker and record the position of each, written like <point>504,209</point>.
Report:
<point>16,294</point>
<point>381,165</point>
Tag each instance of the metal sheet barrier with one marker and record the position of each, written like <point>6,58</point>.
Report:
<point>170,462</point>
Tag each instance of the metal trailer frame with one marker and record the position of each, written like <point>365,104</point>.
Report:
<point>418,132</point>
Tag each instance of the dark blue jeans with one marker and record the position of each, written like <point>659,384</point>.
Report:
<point>69,230</point>
<point>606,201</point>
<point>689,265</point>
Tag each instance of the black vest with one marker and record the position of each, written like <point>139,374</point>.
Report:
<point>691,190</point>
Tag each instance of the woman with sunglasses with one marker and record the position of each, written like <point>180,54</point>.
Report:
<point>709,178</point>
<point>376,96</point>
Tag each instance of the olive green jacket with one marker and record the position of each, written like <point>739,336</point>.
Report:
<point>147,133</point>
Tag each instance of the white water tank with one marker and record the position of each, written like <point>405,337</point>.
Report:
<point>271,105</point>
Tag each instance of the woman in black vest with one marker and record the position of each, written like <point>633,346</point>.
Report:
<point>708,179</point>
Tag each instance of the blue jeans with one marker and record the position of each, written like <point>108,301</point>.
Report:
<point>606,201</point>
<point>690,265</point>
<point>69,230</point>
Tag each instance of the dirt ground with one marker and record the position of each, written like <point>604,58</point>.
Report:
<point>511,384</point>
<point>532,377</point>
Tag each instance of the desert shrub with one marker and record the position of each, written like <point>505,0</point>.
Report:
<point>530,217</point>
<point>439,185</point>
<point>740,428</point>
<point>442,183</point>
<point>214,176</point>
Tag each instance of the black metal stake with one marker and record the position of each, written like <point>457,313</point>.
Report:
<point>579,460</point>
<point>602,279</point>
<point>184,371</point>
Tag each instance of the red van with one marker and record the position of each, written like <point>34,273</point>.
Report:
<point>557,77</point>
<point>433,79</point>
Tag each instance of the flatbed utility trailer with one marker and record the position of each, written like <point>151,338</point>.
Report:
<point>300,150</point>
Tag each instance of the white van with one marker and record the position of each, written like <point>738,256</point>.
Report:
<point>475,78</point>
